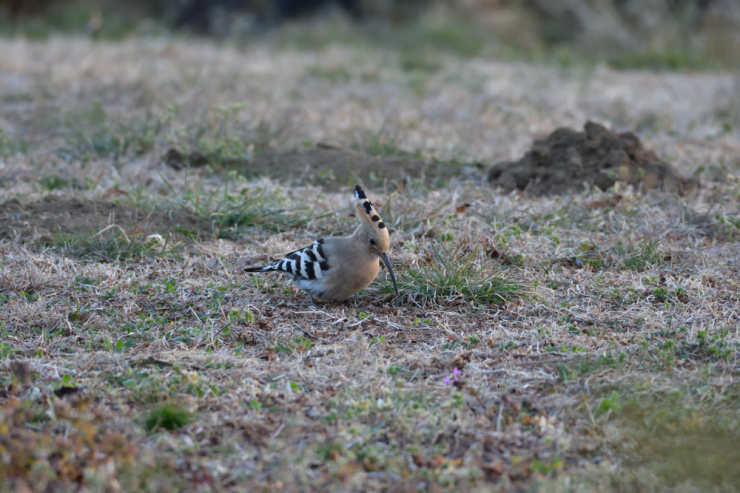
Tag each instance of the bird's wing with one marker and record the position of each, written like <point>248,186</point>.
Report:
<point>309,263</point>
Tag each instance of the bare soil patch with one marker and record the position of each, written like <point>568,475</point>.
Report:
<point>52,216</point>
<point>329,167</point>
<point>567,160</point>
<point>334,167</point>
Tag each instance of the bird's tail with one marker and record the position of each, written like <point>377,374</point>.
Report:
<point>266,268</point>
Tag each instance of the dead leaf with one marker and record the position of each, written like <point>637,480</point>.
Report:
<point>22,371</point>
<point>460,209</point>
<point>268,355</point>
<point>599,204</point>
<point>115,191</point>
<point>461,360</point>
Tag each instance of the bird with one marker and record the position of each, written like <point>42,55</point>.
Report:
<point>335,268</point>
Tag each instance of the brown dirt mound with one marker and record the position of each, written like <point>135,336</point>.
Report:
<point>567,160</point>
<point>52,216</point>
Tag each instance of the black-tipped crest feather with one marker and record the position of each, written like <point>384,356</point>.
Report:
<point>366,209</point>
<point>359,192</point>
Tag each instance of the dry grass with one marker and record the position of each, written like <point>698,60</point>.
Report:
<point>623,352</point>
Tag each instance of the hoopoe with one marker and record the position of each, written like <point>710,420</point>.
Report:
<point>335,268</point>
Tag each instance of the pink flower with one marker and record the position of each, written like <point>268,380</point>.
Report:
<point>455,376</point>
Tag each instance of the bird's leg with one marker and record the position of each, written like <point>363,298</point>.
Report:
<point>312,302</point>
<point>352,300</point>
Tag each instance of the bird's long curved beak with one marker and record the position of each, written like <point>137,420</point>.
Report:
<point>387,263</point>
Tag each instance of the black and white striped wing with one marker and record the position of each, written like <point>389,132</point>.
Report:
<point>308,263</point>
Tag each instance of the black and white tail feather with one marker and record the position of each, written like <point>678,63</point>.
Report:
<point>307,263</point>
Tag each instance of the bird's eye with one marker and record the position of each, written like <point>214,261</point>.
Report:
<point>372,241</point>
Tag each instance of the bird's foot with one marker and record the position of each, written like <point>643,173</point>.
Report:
<point>352,301</point>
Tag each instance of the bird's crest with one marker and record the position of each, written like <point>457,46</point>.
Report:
<point>366,210</point>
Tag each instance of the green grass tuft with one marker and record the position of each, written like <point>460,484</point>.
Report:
<point>114,243</point>
<point>224,140</point>
<point>638,256</point>
<point>626,254</point>
<point>669,60</point>
<point>168,417</point>
<point>95,134</point>
<point>12,145</point>
<point>381,143</point>
<point>58,183</point>
<point>451,274</point>
<point>233,214</point>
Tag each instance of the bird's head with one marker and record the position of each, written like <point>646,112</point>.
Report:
<point>373,232</point>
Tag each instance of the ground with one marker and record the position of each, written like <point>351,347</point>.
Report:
<point>557,343</point>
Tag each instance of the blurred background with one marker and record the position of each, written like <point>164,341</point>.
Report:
<point>625,34</point>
